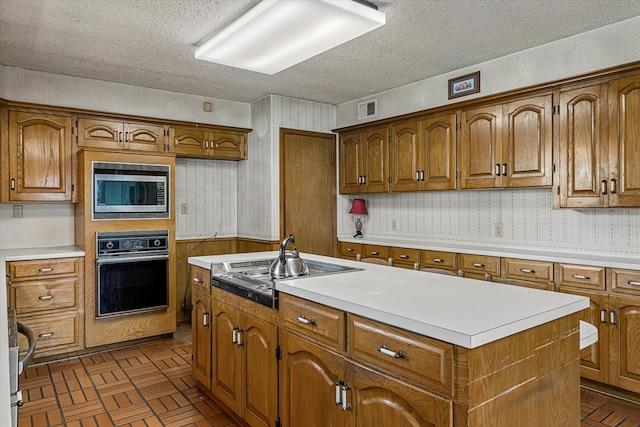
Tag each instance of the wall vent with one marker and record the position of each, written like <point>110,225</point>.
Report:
<point>367,109</point>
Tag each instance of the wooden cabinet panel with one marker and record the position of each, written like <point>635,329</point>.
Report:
<point>438,152</point>
<point>196,141</point>
<point>46,295</point>
<point>364,161</point>
<point>39,157</point>
<point>119,135</point>
<point>350,250</point>
<point>376,160</point>
<point>404,159</point>
<point>523,269</point>
<point>351,163</point>
<point>226,363</point>
<point>579,277</point>
<point>479,264</point>
<point>480,145</point>
<point>201,338</point>
<point>625,281</point>
<point>439,259</point>
<point>422,360</point>
<point>228,145</point>
<point>54,333</point>
<point>404,257</point>
<point>375,251</point>
<point>188,140</point>
<point>625,341</point>
<point>36,269</point>
<point>144,137</point>
<point>201,280</point>
<point>314,320</point>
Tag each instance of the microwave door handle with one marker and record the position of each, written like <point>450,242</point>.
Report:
<point>129,258</point>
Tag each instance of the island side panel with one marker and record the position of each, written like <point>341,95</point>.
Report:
<point>528,379</point>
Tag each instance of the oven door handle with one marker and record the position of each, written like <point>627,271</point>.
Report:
<point>120,260</point>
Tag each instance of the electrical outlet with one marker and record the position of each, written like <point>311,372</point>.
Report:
<point>17,211</point>
<point>184,208</point>
<point>499,229</point>
<point>206,107</point>
<point>393,225</point>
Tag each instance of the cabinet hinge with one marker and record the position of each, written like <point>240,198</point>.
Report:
<point>333,158</point>
<point>558,190</point>
<point>278,423</point>
<point>458,175</point>
<point>554,167</point>
<point>389,180</point>
<point>278,353</point>
<point>73,188</point>
<point>389,138</point>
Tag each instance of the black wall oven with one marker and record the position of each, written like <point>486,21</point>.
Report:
<point>132,270</point>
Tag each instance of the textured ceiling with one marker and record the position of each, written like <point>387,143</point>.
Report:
<point>151,43</point>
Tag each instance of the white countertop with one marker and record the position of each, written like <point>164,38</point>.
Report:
<point>40,253</point>
<point>539,254</point>
<point>457,310</point>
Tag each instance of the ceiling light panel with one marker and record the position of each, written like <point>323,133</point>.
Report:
<point>277,34</point>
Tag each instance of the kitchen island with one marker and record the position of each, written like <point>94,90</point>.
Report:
<point>391,344</point>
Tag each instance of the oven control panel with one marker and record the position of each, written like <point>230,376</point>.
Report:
<point>111,243</point>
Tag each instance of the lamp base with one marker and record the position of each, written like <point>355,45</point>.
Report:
<point>358,234</point>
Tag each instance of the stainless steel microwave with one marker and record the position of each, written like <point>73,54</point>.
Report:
<point>130,191</point>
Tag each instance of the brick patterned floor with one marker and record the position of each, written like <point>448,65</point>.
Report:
<point>150,385</point>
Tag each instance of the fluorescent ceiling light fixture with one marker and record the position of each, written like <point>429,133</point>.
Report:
<point>277,34</point>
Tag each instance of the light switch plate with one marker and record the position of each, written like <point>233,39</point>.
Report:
<point>499,229</point>
<point>184,208</point>
<point>17,211</point>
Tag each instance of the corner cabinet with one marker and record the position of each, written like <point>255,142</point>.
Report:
<point>507,145</point>
<point>208,142</point>
<point>37,158</point>
<point>364,161</point>
<point>118,135</point>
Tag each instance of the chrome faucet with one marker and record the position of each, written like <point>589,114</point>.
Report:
<point>283,247</point>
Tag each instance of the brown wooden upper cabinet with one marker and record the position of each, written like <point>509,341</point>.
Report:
<point>599,145</point>
<point>364,161</point>
<point>507,144</point>
<point>209,142</point>
<point>118,135</point>
<point>423,154</point>
<point>39,158</point>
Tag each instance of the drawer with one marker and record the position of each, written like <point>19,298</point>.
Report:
<point>316,321</point>
<point>403,257</point>
<point>480,264</point>
<point>44,295</point>
<point>438,259</point>
<point>201,280</point>
<point>418,358</point>
<point>625,281</point>
<point>580,277</point>
<point>34,269</point>
<point>375,251</point>
<point>522,269</point>
<point>350,250</point>
<point>52,332</point>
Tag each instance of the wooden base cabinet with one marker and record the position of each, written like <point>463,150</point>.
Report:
<point>201,326</point>
<point>244,363</point>
<point>344,393</point>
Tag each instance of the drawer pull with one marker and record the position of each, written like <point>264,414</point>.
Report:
<point>528,271</point>
<point>349,249</point>
<point>438,260</point>
<point>396,355</point>
<point>45,297</point>
<point>603,315</point>
<point>45,270</point>
<point>45,336</point>
<point>478,265</point>
<point>195,279</point>
<point>375,253</point>
<point>633,283</point>
<point>205,319</point>
<point>581,277</point>
<point>403,256</point>
<point>306,321</point>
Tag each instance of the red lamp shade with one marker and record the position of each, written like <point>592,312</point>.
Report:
<point>359,207</point>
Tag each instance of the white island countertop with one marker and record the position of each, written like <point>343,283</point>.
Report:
<point>461,311</point>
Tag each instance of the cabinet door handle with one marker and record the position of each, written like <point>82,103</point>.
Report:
<point>338,392</point>
<point>306,321</point>
<point>497,169</point>
<point>417,175</point>
<point>46,336</point>
<point>197,280</point>
<point>45,297</point>
<point>375,253</point>
<point>603,315</point>
<point>421,175</point>
<point>603,186</point>
<point>345,405</point>
<point>45,270</point>
<point>126,137</point>
<point>349,249</point>
<point>438,260</point>
<point>612,317</point>
<point>396,355</point>
<point>528,271</point>
<point>364,179</point>
<point>234,335</point>
<point>633,283</point>
<point>478,265</point>
<point>205,319</point>
<point>13,183</point>
<point>240,343</point>
<point>613,186</point>
<point>119,136</point>
<point>581,277</point>
<point>504,169</point>
<point>403,256</point>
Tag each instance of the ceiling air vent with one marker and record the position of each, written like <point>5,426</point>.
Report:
<point>367,109</point>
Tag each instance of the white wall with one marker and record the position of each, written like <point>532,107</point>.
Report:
<point>42,225</point>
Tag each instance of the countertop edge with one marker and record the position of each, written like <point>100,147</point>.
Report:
<point>25,254</point>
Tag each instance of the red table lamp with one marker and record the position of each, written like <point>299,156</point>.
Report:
<point>359,208</point>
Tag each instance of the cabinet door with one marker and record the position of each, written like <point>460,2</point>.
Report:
<point>39,157</point>
<point>188,141</point>
<point>376,160</point>
<point>624,142</point>
<point>527,143</point>
<point>404,167</point>
<point>100,133</point>
<point>260,379</point>
<point>625,342</point>
<point>201,338</point>
<point>308,377</point>
<point>228,145</point>
<point>583,147</point>
<point>438,152</point>
<point>480,147</point>
<point>351,163</point>
<point>144,137</point>
<point>379,400</point>
<point>226,356</point>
